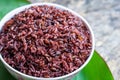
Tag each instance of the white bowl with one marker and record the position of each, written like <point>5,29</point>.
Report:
<point>23,76</point>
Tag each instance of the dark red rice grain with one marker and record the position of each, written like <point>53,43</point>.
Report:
<point>44,41</point>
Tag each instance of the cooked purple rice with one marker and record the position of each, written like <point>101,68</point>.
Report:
<point>44,41</point>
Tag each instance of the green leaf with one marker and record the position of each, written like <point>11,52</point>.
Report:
<point>8,5</point>
<point>97,69</point>
<point>4,74</point>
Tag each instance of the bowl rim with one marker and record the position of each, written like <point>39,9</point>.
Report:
<point>9,15</point>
